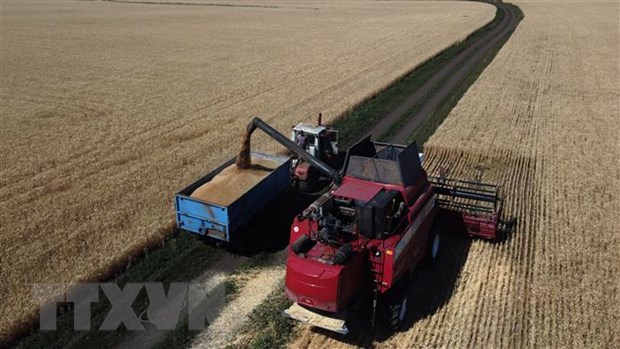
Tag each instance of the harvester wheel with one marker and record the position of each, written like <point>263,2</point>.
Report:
<point>432,249</point>
<point>398,312</point>
<point>396,306</point>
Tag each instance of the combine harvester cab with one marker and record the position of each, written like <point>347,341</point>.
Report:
<point>221,220</point>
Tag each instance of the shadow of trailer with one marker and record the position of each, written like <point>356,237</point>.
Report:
<point>223,222</point>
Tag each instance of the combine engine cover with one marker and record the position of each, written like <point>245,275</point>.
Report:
<point>326,259</point>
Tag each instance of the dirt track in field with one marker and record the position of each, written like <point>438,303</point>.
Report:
<point>439,86</point>
<point>213,278</point>
<point>223,330</point>
<point>453,74</point>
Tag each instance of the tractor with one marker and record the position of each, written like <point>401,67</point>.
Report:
<point>320,141</point>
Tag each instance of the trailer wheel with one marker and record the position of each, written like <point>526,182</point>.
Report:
<point>246,241</point>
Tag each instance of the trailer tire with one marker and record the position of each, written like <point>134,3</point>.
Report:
<point>245,242</point>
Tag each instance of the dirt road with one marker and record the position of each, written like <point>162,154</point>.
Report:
<point>441,84</point>
<point>464,64</point>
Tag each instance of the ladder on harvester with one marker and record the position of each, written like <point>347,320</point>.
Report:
<point>478,203</point>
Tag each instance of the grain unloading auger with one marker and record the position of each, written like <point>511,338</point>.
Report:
<point>363,237</point>
<point>243,159</point>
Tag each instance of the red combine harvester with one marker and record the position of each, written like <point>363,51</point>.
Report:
<point>369,231</point>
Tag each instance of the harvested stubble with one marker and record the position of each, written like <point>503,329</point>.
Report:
<point>110,108</point>
<point>228,185</point>
<point>543,120</point>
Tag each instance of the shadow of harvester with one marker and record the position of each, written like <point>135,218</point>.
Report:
<point>269,230</point>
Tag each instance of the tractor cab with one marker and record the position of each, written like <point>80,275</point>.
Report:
<point>318,140</point>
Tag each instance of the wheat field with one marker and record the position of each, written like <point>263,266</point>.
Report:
<point>543,122</point>
<point>110,108</point>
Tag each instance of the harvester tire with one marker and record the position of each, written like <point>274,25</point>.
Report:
<point>398,312</point>
<point>432,249</point>
<point>395,306</point>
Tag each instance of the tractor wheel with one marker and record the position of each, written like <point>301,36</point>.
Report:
<point>432,249</point>
<point>311,183</point>
<point>304,186</point>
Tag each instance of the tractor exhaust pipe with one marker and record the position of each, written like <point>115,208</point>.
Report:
<point>244,160</point>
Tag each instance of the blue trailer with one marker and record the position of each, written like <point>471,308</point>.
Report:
<point>221,222</point>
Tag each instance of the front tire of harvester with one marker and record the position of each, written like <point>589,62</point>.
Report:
<point>432,250</point>
<point>398,312</point>
<point>396,307</point>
